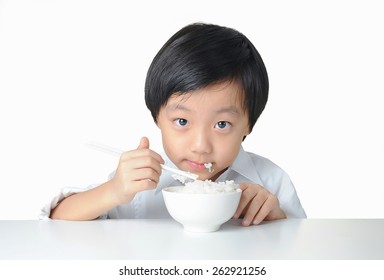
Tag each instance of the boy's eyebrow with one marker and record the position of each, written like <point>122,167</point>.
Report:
<point>178,106</point>
<point>229,110</point>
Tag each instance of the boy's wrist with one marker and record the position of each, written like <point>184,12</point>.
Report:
<point>113,196</point>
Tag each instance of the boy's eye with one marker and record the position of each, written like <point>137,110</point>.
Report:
<point>181,122</point>
<point>222,124</point>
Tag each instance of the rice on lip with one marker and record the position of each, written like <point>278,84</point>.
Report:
<point>208,165</point>
<point>208,186</point>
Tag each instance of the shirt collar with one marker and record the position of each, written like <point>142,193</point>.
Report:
<point>244,166</point>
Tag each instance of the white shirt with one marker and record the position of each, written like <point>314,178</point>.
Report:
<point>247,168</point>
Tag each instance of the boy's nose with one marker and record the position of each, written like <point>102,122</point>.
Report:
<point>201,143</point>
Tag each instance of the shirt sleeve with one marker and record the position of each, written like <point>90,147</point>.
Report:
<point>289,200</point>
<point>262,170</point>
<point>65,192</point>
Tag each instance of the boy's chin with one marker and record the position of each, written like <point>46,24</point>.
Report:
<point>209,176</point>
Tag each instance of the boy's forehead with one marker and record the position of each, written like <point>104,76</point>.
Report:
<point>224,93</point>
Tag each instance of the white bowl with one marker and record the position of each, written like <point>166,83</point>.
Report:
<point>201,212</point>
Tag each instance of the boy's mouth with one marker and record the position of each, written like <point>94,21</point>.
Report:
<point>196,165</point>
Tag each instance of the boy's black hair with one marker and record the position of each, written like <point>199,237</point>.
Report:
<point>203,54</point>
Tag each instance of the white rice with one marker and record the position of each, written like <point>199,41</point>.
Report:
<point>208,165</point>
<point>208,186</point>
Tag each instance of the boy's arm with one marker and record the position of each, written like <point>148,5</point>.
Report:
<point>86,205</point>
<point>138,170</point>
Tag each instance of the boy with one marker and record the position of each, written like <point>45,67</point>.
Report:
<point>205,89</point>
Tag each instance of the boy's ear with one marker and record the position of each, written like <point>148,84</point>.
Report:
<point>246,133</point>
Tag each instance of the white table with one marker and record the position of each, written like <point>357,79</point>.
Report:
<point>165,239</point>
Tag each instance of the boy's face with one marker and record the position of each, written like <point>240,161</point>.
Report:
<point>206,125</point>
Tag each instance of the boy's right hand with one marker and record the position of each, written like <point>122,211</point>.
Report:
<point>138,170</point>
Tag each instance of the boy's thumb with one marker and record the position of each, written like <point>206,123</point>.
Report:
<point>144,143</point>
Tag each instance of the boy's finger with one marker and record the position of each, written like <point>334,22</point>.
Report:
<point>255,210</point>
<point>246,197</point>
<point>261,214</point>
<point>144,143</point>
<point>140,162</point>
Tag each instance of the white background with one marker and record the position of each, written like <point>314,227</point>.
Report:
<point>74,71</point>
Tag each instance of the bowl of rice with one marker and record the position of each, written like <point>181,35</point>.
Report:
<point>202,206</point>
